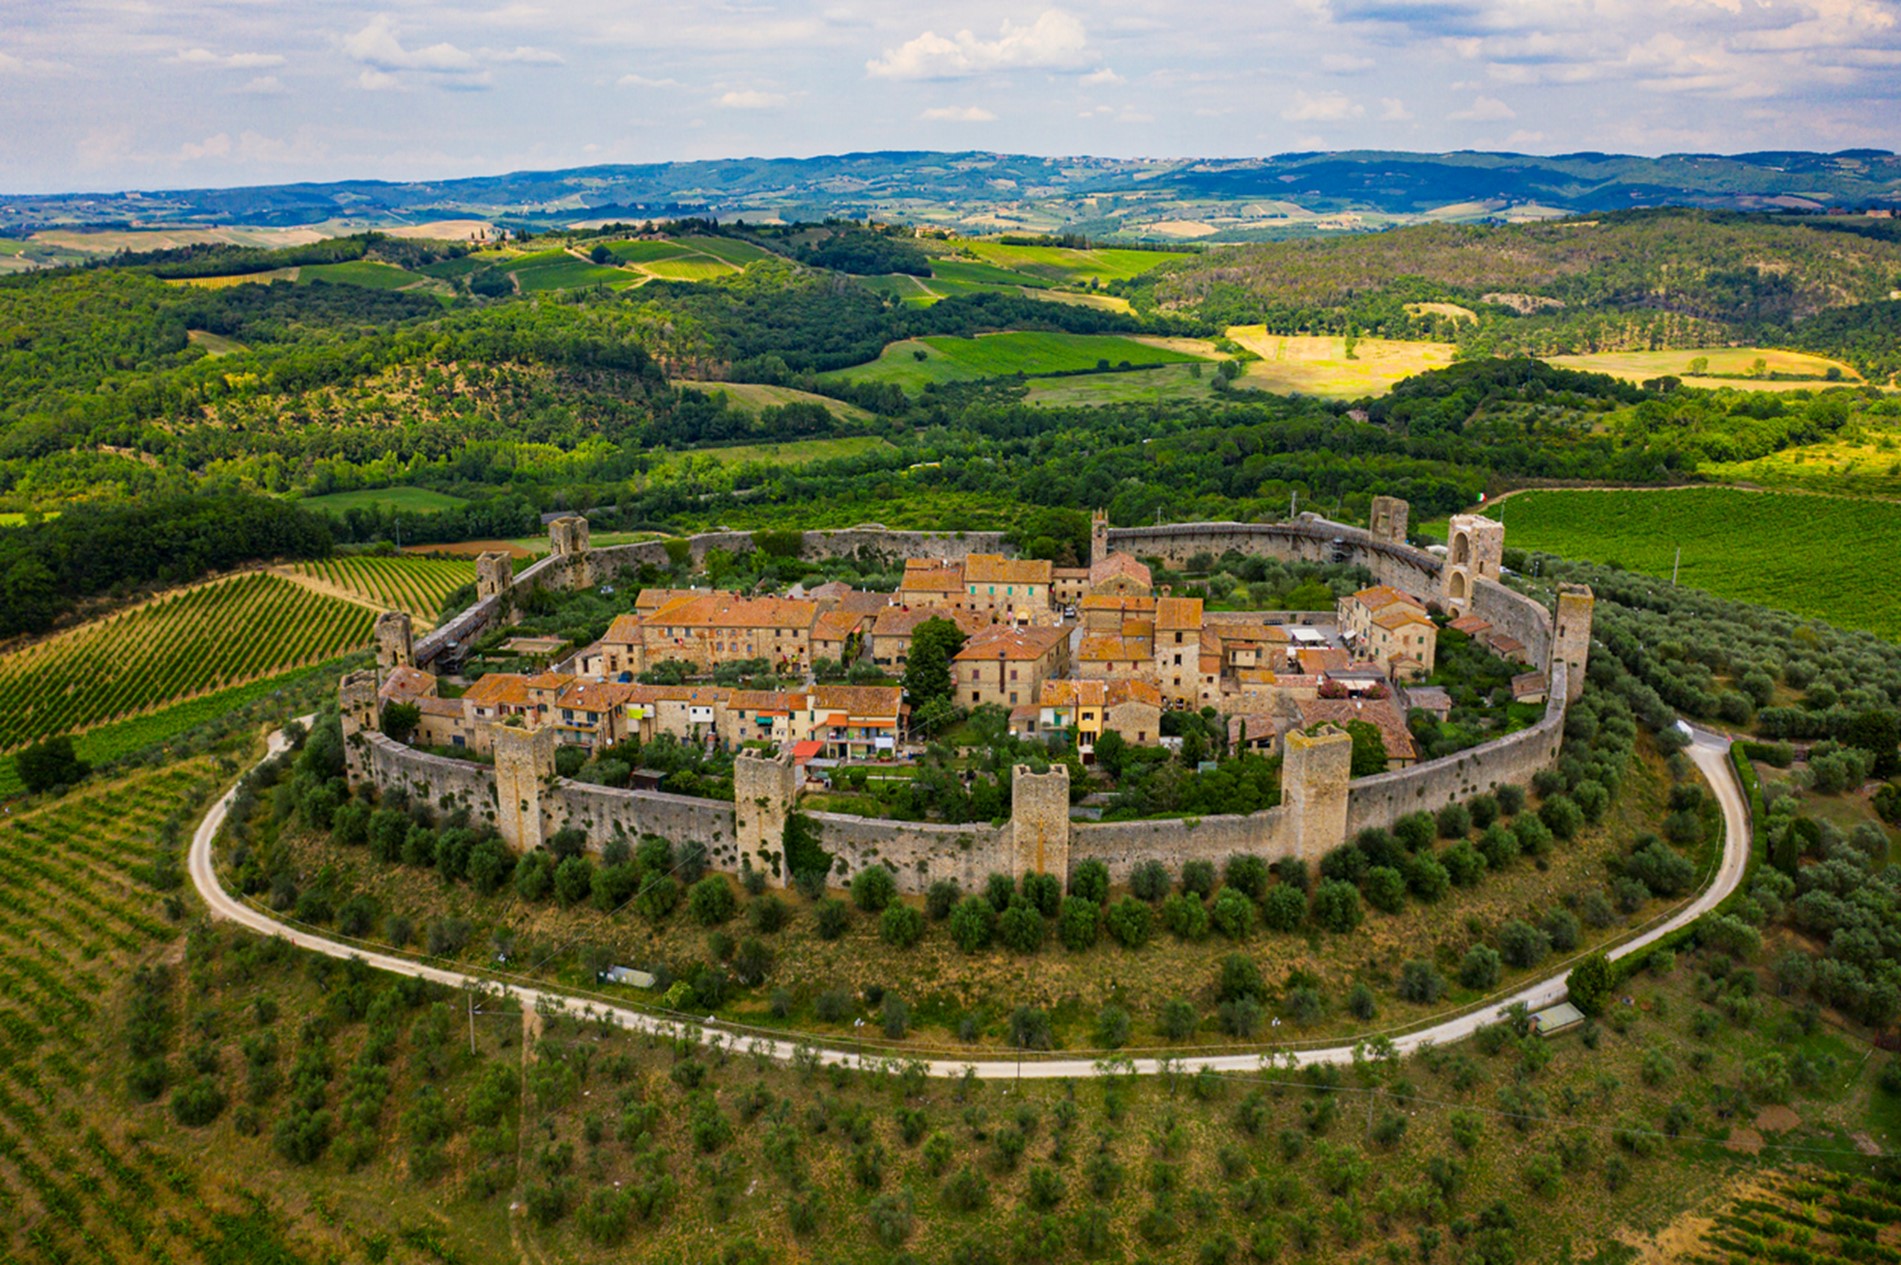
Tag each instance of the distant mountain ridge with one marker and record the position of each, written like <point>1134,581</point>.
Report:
<point>1160,199</point>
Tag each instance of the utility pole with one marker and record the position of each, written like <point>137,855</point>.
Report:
<point>1675,566</point>
<point>471,996</point>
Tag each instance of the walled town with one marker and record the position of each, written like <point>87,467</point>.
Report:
<point>1070,658</point>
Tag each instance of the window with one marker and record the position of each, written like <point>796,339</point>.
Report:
<point>975,696</point>
<point>1013,698</point>
<point>1013,674</point>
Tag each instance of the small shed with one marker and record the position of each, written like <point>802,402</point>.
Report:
<point>1552,1020</point>
<point>627,975</point>
<point>1529,687</point>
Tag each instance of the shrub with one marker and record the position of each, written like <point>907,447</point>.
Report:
<point>1480,968</point>
<point>574,879</point>
<point>1361,1003</point>
<point>1561,816</point>
<point>1511,800</point>
<point>1113,1027</point>
<point>1079,923</point>
<point>1030,1029</point>
<point>1499,846</point>
<point>1304,1004</point>
<point>1484,810</point>
<point>1150,881</point>
<point>1336,906</point>
<point>1090,881</point>
<point>1044,892</point>
<point>1000,890</point>
<point>1185,916</point>
<point>1561,928</point>
<point>1426,878</point>
<point>768,914</point>
<point>1590,984</point>
<point>1464,864</point>
<point>1385,889</point>
<point>972,923</point>
<point>1130,922</point>
<point>1233,912</point>
<point>833,916</point>
<point>711,900</point>
<point>1420,981</point>
<point>1178,1019</point>
<point>832,1005</point>
<point>1241,1017</point>
<point>1239,977</point>
<point>1021,927</point>
<point>1415,831</point>
<point>1522,944</point>
<point>873,888</point>
<point>1534,837</point>
<point>198,1102</point>
<point>1285,907</point>
<point>901,926</point>
<point>534,876</point>
<point>1454,821</point>
<point>1247,875</point>
<point>1198,878</point>
<point>941,898</point>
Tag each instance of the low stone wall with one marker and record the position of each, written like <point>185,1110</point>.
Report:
<point>1384,798</point>
<point>438,781</point>
<point>607,813</point>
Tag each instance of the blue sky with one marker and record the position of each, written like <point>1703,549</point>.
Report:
<point>109,94</point>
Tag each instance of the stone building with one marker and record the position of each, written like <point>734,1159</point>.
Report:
<point>1005,666</point>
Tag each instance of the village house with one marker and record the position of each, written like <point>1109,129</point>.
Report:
<point>691,713</point>
<point>1005,666</point>
<point>1392,629</point>
<point>1106,612</point>
<point>717,628</point>
<point>1016,590</point>
<point>593,714</point>
<point>1381,713</point>
<point>1083,709</point>
<point>855,721</point>
<point>1178,650</point>
<point>891,630</point>
<point>1115,656</point>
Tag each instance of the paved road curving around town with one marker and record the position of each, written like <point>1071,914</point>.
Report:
<point>1709,751</point>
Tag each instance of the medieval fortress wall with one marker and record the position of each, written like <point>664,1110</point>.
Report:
<point>1321,807</point>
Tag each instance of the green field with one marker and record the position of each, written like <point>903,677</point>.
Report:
<point>558,270</point>
<point>754,397</point>
<point>1070,267</point>
<point>733,251</point>
<point>691,268</point>
<point>358,272</point>
<point>1862,459</point>
<point>209,638</point>
<point>407,500</point>
<point>978,273</point>
<point>644,252</point>
<point>214,345</point>
<point>914,362</point>
<point>797,452</point>
<point>416,585</point>
<point>1831,558</point>
<point>1160,385</point>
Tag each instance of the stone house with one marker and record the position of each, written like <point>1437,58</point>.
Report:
<point>891,629</point>
<point>1178,650</point>
<point>1005,665</point>
<point>1015,590</point>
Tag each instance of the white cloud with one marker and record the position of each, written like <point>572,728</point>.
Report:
<point>1105,77</point>
<point>1055,41</point>
<point>1393,110</point>
<point>229,61</point>
<point>641,81</point>
<point>522,55</point>
<point>752,99</point>
<point>1345,64</point>
<point>378,47</point>
<point>958,114</point>
<point>1484,110</point>
<point>263,86</point>
<point>1322,107</point>
<point>11,65</point>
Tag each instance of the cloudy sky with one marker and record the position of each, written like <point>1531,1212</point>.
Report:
<point>108,94</point>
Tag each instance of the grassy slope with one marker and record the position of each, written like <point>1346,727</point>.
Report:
<point>1318,364</point>
<point>1832,558</point>
<point>411,500</point>
<point>949,359</point>
<point>755,397</point>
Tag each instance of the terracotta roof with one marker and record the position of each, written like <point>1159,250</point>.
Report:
<point>1118,564</point>
<point>1378,712</point>
<point>1470,625</point>
<point>556,681</point>
<point>430,705</point>
<point>1257,676</point>
<point>764,701</point>
<point>498,689</point>
<point>1002,641</point>
<point>1173,613</point>
<point>836,625</point>
<point>858,700</point>
<point>1069,573</point>
<point>992,568</point>
<point>829,589</point>
<point>1069,693</point>
<point>902,621</point>
<point>624,631</point>
<point>728,610</point>
<point>1379,596</point>
<point>1506,647</point>
<point>1127,603</point>
<point>1400,618</point>
<point>649,600</point>
<point>1526,684</point>
<point>943,578</point>
<point>595,696</point>
<point>1107,648</point>
<point>1143,628</point>
<point>861,602</point>
<point>703,694</point>
<point>407,683</point>
<point>1133,690</point>
<point>1317,659</point>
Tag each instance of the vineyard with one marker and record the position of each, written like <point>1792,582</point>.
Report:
<point>416,585</point>
<point>1810,1217</point>
<point>199,640</point>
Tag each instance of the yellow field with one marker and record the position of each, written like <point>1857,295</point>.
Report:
<point>171,238</point>
<point>1452,310</point>
<point>214,344</point>
<point>237,279</point>
<point>1307,364</point>
<point>1728,366</point>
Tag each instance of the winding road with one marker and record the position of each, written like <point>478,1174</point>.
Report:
<point>1709,751</point>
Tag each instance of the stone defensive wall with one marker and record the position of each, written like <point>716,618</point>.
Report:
<point>1321,808</point>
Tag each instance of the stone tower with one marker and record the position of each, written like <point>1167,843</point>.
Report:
<point>764,789</point>
<point>524,764</point>
<point>568,541</point>
<point>1098,536</point>
<point>1475,550</point>
<point>1315,770</point>
<point>1571,638</point>
<point>1387,518</point>
<point>1039,821</point>
<point>357,703</point>
<point>394,643</point>
<point>494,575</point>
